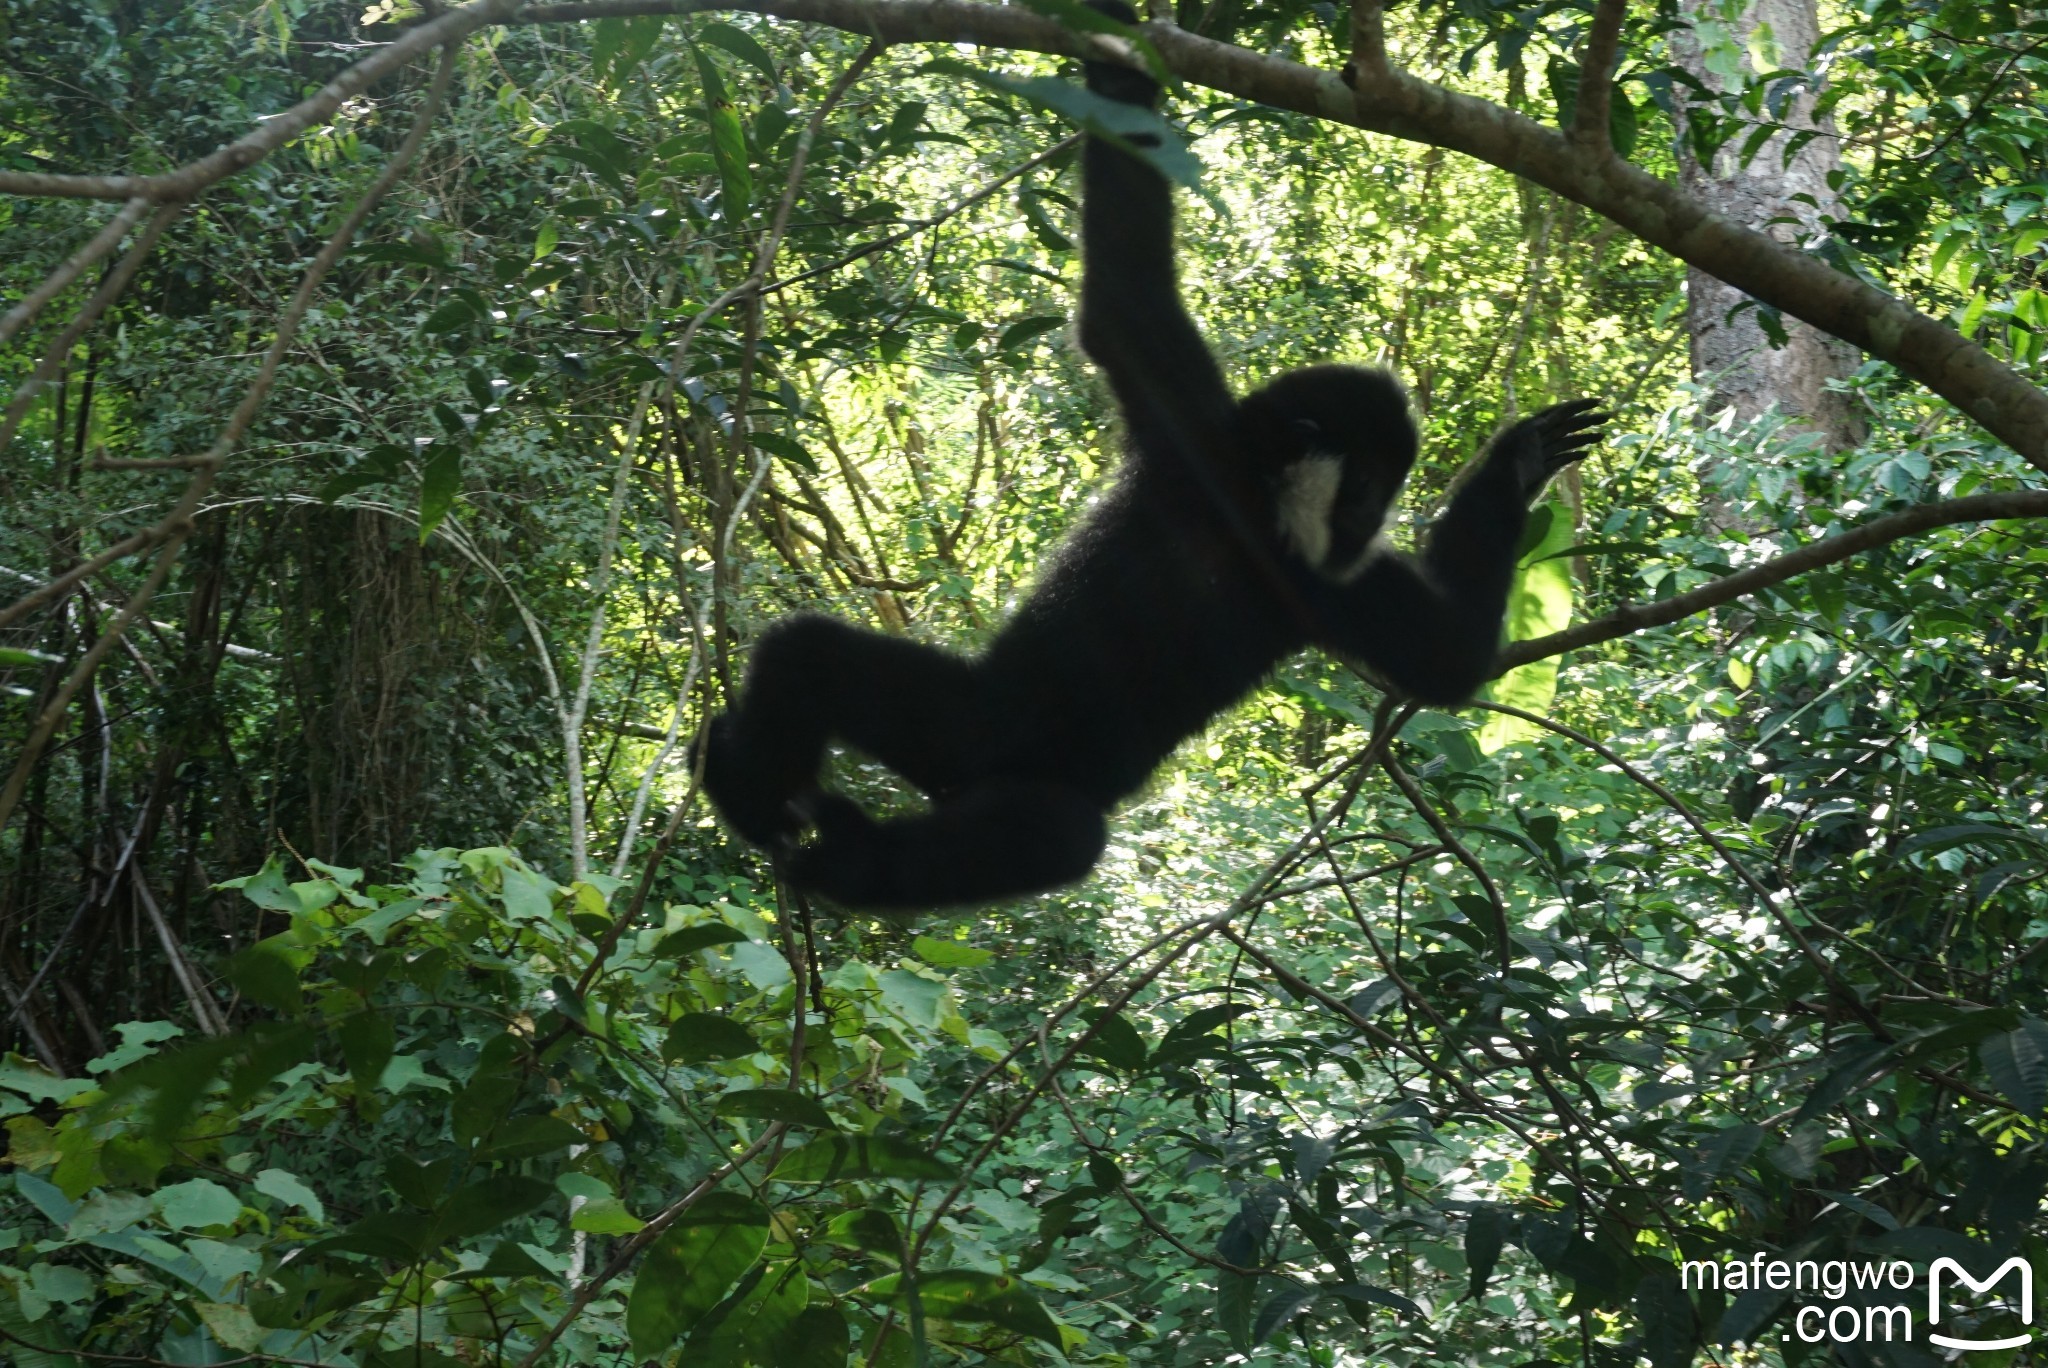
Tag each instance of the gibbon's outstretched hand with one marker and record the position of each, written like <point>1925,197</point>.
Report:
<point>1236,532</point>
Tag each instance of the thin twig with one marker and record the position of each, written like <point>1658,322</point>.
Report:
<point>276,131</point>
<point>1412,791</point>
<point>1820,964</point>
<point>629,1249</point>
<point>101,243</point>
<point>172,529</point>
<point>2028,503</point>
<point>147,462</point>
<point>916,226</point>
<point>59,350</point>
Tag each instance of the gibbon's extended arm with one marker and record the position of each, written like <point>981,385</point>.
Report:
<point>1431,625</point>
<point>1132,321</point>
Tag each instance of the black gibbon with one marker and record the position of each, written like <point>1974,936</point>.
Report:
<point>1236,532</point>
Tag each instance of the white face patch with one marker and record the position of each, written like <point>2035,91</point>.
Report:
<point>1308,492</point>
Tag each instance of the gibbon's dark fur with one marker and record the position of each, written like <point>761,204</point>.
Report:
<point>1237,532</point>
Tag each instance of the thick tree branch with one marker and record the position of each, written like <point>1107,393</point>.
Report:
<point>1636,617</point>
<point>1596,78</point>
<point>1404,106</point>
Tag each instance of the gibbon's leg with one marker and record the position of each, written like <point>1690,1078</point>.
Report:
<point>815,680</point>
<point>999,838</point>
<point>1432,627</point>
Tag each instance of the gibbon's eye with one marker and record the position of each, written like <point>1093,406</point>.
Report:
<point>1308,429</point>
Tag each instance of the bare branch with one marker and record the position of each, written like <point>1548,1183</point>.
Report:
<point>88,313</point>
<point>102,242</point>
<point>1596,78</point>
<point>1398,103</point>
<point>1624,621</point>
<point>147,463</point>
<point>953,210</point>
<point>172,529</point>
<point>246,151</point>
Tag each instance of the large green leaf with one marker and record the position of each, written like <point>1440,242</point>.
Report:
<point>690,1268</point>
<point>843,1158</point>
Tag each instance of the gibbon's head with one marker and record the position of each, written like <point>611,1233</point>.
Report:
<point>1336,444</point>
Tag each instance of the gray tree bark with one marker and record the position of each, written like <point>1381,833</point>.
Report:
<point>1786,199</point>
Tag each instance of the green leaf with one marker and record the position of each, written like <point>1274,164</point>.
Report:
<point>488,1204</point>
<point>1116,1043</point>
<point>1375,1296</point>
<point>695,1037</point>
<point>286,1187</point>
<point>16,657</point>
<point>1082,19</point>
<point>544,241</point>
<point>1486,1233</point>
<point>689,1269</point>
<point>268,972</point>
<point>605,1216</point>
<point>525,1136</point>
<point>2017,1064</point>
<point>1617,548</point>
<point>997,1299</point>
<point>197,1204</point>
<point>439,483</point>
<point>369,472</point>
<point>869,1229</point>
<point>1112,119</point>
<point>1235,1296</point>
<point>367,1040</point>
<point>453,314</point>
<point>844,1158</point>
<point>231,1324</point>
<point>481,1105</point>
<point>775,444</point>
<point>1282,1307</point>
<point>751,1329</point>
<point>818,1338</point>
<point>1025,329</point>
<point>1669,1329</point>
<point>1539,603</point>
<point>693,938</point>
<point>741,45</point>
<point>728,140</point>
<point>623,44</point>
<point>1853,1063</point>
<point>774,1104</point>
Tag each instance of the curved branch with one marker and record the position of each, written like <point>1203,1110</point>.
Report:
<point>247,150</point>
<point>175,526</point>
<point>101,243</point>
<point>1405,106</point>
<point>1621,622</point>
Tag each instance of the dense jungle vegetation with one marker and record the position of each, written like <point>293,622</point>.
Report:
<point>387,500</point>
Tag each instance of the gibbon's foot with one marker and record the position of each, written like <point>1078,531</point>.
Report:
<point>761,815</point>
<point>1001,838</point>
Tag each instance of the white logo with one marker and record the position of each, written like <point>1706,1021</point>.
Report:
<point>2014,1264</point>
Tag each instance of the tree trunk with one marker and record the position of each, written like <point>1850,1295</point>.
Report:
<point>1788,199</point>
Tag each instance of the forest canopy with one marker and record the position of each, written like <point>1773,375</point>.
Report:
<point>414,414</point>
